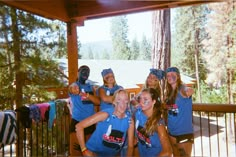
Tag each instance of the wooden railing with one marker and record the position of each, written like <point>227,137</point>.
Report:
<point>214,132</point>
<point>215,127</point>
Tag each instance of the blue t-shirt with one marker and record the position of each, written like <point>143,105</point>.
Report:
<point>110,135</point>
<point>82,109</point>
<point>180,116</point>
<point>148,146</point>
<point>109,92</point>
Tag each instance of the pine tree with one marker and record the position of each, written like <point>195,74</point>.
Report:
<point>145,49</point>
<point>105,55</point>
<point>232,60</point>
<point>96,56</point>
<point>90,53</point>
<point>219,45</point>
<point>135,50</point>
<point>189,33</point>
<point>27,53</point>
<point>119,35</point>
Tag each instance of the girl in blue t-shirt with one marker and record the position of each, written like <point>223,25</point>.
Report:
<point>153,80</point>
<point>106,91</point>
<point>114,127</point>
<point>179,109</point>
<point>150,127</point>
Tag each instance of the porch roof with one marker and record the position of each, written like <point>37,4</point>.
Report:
<point>80,10</point>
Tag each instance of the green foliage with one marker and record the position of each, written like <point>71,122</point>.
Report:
<point>211,94</point>
<point>220,45</point>
<point>79,48</point>
<point>105,55</point>
<point>119,34</point>
<point>188,34</point>
<point>232,60</point>
<point>96,56</point>
<point>59,30</point>
<point>100,50</point>
<point>145,49</point>
<point>90,53</point>
<point>217,46</point>
<point>209,29</point>
<point>29,45</point>
<point>135,49</point>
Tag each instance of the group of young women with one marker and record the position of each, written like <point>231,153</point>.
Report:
<point>131,128</point>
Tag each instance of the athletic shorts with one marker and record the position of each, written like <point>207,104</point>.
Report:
<point>183,138</point>
<point>87,131</point>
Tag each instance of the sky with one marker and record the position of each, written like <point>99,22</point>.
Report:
<point>99,29</point>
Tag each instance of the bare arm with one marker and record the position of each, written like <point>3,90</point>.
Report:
<point>100,116</point>
<point>187,91</point>
<point>94,98</point>
<point>104,97</point>
<point>164,138</point>
<point>130,139</point>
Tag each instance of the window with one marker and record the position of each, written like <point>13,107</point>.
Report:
<point>131,95</point>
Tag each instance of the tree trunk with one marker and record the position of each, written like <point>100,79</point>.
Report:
<point>229,71</point>
<point>196,64</point>
<point>196,58</point>
<point>161,42</point>
<point>229,84</point>
<point>18,77</point>
<point>161,39</point>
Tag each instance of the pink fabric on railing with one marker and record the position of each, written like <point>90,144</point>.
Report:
<point>44,107</point>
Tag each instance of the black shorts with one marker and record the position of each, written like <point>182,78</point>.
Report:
<point>183,138</point>
<point>87,131</point>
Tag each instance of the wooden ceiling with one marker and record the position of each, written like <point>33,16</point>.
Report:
<point>80,10</point>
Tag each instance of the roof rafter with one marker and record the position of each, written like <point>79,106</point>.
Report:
<point>80,10</point>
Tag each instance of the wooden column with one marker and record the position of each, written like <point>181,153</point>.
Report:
<point>72,51</point>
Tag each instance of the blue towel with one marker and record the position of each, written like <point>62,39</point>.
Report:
<point>52,113</point>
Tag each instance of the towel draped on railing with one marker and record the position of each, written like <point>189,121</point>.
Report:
<point>7,127</point>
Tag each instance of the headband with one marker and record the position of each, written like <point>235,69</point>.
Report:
<point>160,74</point>
<point>106,71</point>
<point>172,69</point>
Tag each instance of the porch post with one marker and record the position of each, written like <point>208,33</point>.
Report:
<point>72,51</point>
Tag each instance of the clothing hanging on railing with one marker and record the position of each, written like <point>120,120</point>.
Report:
<point>46,112</point>
<point>24,116</point>
<point>57,109</point>
<point>52,113</point>
<point>35,113</point>
<point>7,127</point>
